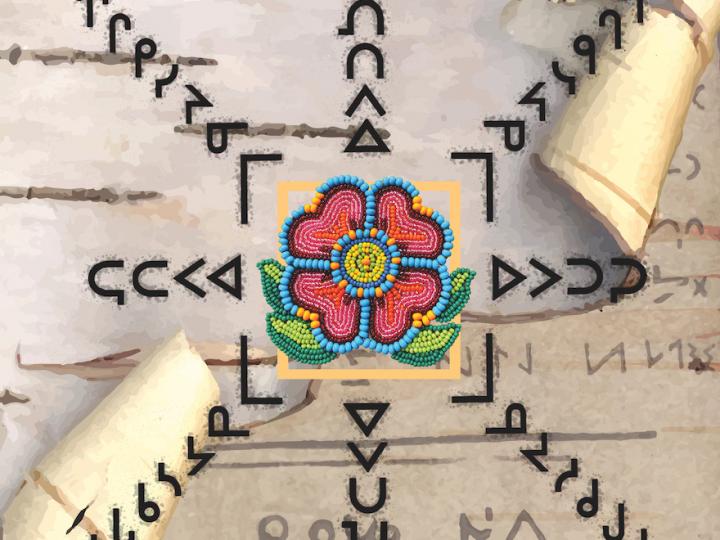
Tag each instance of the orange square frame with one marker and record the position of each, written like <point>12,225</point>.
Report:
<point>452,372</point>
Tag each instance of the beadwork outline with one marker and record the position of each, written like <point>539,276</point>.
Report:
<point>364,338</point>
<point>453,372</point>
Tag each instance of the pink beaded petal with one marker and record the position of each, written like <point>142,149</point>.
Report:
<point>339,313</point>
<point>415,290</point>
<point>312,235</point>
<point>416,235</point>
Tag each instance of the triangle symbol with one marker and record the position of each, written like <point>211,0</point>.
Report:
<point>517,277</point>
<point>234,288</point>
<point>366,463</point>
<point>365,93</point>
<point>354,145</point>
<point>378,411</point>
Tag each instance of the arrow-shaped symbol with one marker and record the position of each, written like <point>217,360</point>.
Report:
<point>532,453</point>
<point>203,458</point>
<point>181,278</point>
<point>367,463</point>
<point>552,279</point>
<point>517,277</point>
<point>235,288</point>
<point>365,93</point>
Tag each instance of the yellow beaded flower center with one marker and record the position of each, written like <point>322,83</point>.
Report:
<point>365,262</point>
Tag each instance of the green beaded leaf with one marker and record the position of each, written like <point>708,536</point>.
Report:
<point>459,294</point>
<point>270,273</point>
<point>293,336</point>
<point>429,346</point>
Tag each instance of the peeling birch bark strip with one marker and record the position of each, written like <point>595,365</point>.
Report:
<point>118,365</point>
<point>536,316</point>
<point>67,55</point>
<point>477,317</point>
<point>105,195</point>
<point>282,130</point>
<point>145,423</point>
<point>622,192</point>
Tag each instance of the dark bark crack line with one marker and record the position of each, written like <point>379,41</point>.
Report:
<point>271,129</point>
<point>68,55</point>
<point>102,195</point>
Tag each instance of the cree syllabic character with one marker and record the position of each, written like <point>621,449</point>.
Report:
<point>365,267</point>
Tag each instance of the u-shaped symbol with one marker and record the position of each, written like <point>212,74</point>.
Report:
<point>349,29</point>
<point>360,47</point>
<point>360,507</point>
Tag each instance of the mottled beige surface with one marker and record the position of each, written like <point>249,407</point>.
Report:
<point>615,141</point>
<point>94,126</point>
<point>449,68</point>
<point>99,464</point>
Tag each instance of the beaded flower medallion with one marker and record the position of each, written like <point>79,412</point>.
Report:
<point>365,267</point>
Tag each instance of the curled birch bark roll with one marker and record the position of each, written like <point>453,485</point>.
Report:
<point>99,464</point>
<point>616,139</point>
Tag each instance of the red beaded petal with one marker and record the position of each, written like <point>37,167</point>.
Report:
<point>312,235</point>
<point>416,235</point>
<point>339,312</point>
<point>391,315</point>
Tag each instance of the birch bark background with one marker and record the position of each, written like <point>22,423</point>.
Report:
<point>90,125</point>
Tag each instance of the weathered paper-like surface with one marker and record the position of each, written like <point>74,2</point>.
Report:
<point>650,432</point>
<point>615,142</point>
<point>144,421</point>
